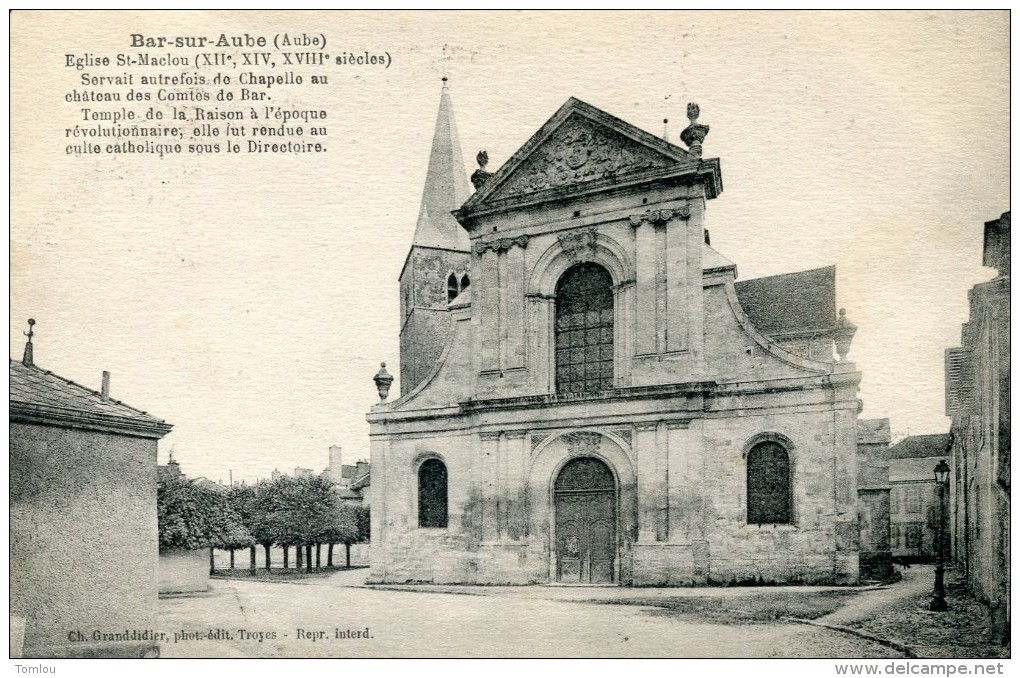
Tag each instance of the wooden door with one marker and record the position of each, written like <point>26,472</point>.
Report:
<point>585,523</point>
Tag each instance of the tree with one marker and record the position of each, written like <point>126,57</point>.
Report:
<point>342,529</point>
<point>242,498</point>
<point>192,517</point>
<point>302,513</point>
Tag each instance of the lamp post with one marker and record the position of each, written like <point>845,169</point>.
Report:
<point>938,601</point>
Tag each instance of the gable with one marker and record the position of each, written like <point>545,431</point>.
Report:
<point>581,147</point>
<point>580,151</point>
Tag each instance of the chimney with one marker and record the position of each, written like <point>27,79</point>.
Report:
<point>335,464</point>
<point>106,385</point>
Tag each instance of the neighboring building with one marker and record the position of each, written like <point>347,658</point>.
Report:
<point>978,399</point>
<point>276,474</point>
<point>589,396</point>
<point>914,499</point>
<point>873,487</point>
<point>171,470</point>
<point>363,489</point>
<point>352,480</point>
<point>84,540</point>
<point>300,472</point>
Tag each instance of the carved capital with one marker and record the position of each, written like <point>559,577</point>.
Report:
<point>489,436</point>
<point>646,425</point>
<point>502,244</point>
<point>516,435</point>
<point>660,217</point>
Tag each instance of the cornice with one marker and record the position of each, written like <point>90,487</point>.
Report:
<point>43,415</point>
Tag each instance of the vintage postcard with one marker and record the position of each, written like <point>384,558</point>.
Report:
<point>436,334</point>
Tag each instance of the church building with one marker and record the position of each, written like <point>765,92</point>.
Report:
<point>588,395</point>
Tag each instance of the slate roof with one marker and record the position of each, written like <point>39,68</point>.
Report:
<point>791,303</point>
<point>446,186</point>
<point>912,470</point>
<point>37,391</point>
<point>363,481</point>
<point>931,445</point>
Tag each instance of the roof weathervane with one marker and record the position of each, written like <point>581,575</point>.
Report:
<point>26,360</point>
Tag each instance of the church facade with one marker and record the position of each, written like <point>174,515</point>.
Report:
<point>588,394</point>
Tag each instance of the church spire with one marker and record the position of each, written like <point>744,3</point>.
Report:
<point>446,186</point>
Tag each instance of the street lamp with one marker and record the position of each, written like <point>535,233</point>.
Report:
<point>938,602</point>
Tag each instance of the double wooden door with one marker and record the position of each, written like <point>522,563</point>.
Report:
<point>585,523</point>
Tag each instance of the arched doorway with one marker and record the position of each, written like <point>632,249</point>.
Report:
<point>584,330</point>
<point>585,499</point>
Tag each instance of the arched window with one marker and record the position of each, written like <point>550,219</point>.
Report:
<point>584,330</point>
<point>465,283</point>
<point>432,494</point>
<point>768,484</point>
<point>451,287</point>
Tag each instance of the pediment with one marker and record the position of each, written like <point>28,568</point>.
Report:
<point>580,146</point>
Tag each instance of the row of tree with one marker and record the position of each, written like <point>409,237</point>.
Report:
<point>299,512</point>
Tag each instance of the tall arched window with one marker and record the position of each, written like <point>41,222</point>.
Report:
<point>769,496</point>
<point>584,330</point>
<point>451,287</point>
<point>465,283</point>
<point>432,494</point>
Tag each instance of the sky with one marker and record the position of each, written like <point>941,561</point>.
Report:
<point>248,300</point>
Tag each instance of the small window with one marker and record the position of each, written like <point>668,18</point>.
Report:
<point>768,484</point>
<point>465,283</point>
<point>432,494</point>
<point>894,537</point>
<point>451,288</point>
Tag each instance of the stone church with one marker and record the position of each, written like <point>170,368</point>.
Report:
<point>588,394</point>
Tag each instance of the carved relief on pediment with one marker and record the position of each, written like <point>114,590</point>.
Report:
<point>580,151</point>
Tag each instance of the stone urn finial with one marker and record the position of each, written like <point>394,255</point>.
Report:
<point>843,335</point>
<point>694,134</point>
<point>481,175</point>
<point>383,380</point>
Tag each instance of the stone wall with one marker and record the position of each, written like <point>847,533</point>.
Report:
<point>681,502</point>
<point>184,571</point>
<point>84,542</point>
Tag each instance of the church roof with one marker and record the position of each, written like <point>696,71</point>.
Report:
<point>39,395</point>
<point>712,260</point>
<point>929,445</point>
<point>791,303</point>
<point>446,186</point>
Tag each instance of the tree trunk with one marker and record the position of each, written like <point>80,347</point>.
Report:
<point>348,554</point>
<point>251,565</point>
<point>329,555</point>
<point>286,556</point>
<point>212,560</point>
<point>308,557</point>
<point>300,556</point>
<point>318,556</point>
<point>231,559</point>
<point>269,560</point>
